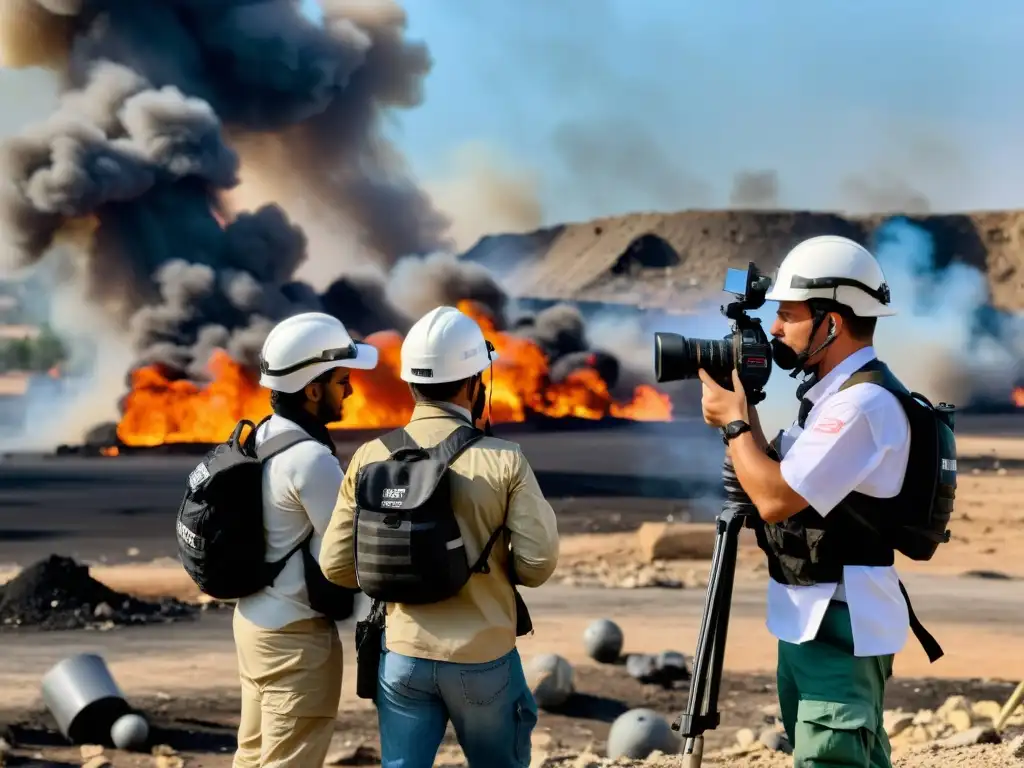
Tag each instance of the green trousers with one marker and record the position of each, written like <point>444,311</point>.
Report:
<point>831,700</point>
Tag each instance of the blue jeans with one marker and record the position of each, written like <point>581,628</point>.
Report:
<point>490,706</point>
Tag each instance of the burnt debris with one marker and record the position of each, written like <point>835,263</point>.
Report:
<point>58,593</point>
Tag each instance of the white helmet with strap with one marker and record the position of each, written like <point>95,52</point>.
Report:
<point>445,345</point>
<point>833,268</point>
<point>301,347</point>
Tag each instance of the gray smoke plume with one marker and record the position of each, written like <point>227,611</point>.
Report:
<point>162,103</point>
<point>417,285</point>
<point>755,189</point>
<point>558,330</point>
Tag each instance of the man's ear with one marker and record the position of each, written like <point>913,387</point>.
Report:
<point>314,391</point>
<point>835,323</point>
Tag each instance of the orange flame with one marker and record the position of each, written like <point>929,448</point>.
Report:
<point>158,410</point>
<point>1018,397</point>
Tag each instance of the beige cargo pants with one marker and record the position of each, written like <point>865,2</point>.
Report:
<point>291,688</point>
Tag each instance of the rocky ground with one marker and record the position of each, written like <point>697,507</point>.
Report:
<point>650,580</point>
<point>927,718</point>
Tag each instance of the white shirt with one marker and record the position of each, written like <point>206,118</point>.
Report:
<point>854,440</point>
<point>300,489</point>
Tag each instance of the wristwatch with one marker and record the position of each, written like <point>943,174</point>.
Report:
<point>734,429</point>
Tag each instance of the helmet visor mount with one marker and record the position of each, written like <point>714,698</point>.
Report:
<point>880,294</point>
<point>327,356</point>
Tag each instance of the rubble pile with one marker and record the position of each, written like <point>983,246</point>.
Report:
<point>669,555</point>
<point>58,593</point>
<point>629,575</point>
<point>957,733</point>
<point>957,723</point>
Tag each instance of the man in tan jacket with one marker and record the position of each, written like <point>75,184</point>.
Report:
<point>457,659</point>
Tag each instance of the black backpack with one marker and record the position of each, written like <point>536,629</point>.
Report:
<point>916,524</point>
<point>221,540</point>
<point>408,547</point>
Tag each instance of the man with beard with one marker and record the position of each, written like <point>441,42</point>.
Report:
<point>835,601</point>
<point>454,659</point>
<point>289,652</point>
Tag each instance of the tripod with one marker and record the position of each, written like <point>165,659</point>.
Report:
<point>701,713</point>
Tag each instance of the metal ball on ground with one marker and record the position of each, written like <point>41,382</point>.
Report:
<point>130,732</point>
<point>603,640</point>
<point>640,732</point>
<point>551,680</point>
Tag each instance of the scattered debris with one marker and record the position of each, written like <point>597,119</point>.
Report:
<point>603,640</point>
<point>676,541</point>
<point>550,678</point>
<point>58,593</point>
<point>630,575</point>
<point>640,732</point>
<point>354,754</point>
<point>664,669</point>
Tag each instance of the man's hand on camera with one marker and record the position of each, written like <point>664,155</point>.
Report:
<point>721,405</point>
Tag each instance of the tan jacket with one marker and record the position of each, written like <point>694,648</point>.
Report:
<point>477,625</point>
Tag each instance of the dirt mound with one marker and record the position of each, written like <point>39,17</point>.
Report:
<point>673,260</point>
<point>58,593</point>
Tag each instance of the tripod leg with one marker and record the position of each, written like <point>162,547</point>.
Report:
<point>1010,706</point>
<point>693,752</point>
<point>702,704</point>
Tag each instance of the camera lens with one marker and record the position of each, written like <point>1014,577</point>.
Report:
<point>677,357</point>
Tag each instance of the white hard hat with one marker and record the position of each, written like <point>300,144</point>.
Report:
<point>836,268</point>
<point>444,345</point>
<point>301,347</point>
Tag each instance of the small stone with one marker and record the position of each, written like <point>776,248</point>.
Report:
<point>1016,748</point>
<point>353,754</point>
<point>163,750</point>
<point>745,737</point>
<point>956,703</point>
<point>924,717</point>
<point>676,541</point>
<point>103,611</point>
<point>986,710</point>
<point>90,750</point>
<point>775,740</point>
<point>100,761</point>
<point>639,732</point>
<point>971,737</point>
<point>896,722</point>
<point>133,551</point>
<point>550,677</point>
<point>960,720</point>
<point>169,761</point>
<point>603,640</point>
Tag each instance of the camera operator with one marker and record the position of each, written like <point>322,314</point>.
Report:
<point>835,601</point>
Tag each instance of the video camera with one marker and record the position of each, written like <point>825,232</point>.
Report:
<point>746,348</point>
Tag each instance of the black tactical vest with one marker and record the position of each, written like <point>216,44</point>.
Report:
<point>808,548</point>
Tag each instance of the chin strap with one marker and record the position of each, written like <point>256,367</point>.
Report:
<point>803,357</point>
<point>490,391</point>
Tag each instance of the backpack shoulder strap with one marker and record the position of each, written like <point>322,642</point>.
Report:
<point>269,448</point>
<point>449,449</point>
<point>875,372</point>
<point>396,440</point>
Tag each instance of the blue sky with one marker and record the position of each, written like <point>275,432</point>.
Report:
<point>657,104</point>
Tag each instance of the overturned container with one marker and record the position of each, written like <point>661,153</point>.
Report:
<point>86,703</point>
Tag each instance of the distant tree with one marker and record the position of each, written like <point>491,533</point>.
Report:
<point>37,355</point>
<point>46,351</point>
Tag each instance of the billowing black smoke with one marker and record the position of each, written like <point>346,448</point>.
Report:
<point>160,100</point>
